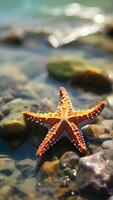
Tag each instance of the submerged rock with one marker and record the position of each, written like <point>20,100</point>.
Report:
<point>109,29</point>
<point>95,175</point>
<point>108,144</point>
<point>79,72</point>
<point>50,168</point>
<point>12,125</point>
<point>94,130</point>
<point>13,37</point>
<point>99,41</point>
<point>69,159</point>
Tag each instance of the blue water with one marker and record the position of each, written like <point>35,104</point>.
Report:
<point>36,10</point>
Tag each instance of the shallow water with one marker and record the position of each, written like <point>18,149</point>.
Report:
<point>50,27</point>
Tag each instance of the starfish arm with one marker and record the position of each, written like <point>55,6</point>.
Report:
<point>83,117</point>
<point>76,137</point>
<point>51,138</point>
<point>49,118</point>
<point>65,105</point>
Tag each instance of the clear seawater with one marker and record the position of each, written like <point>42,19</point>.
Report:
<point>20,11</point>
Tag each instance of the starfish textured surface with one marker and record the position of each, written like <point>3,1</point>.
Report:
<point>64,119</point>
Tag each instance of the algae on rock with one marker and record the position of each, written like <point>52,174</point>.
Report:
<point>12,124</point>
<point>79,72</point>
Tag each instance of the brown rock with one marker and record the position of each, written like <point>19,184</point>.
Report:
<point>13,37</point>
<point>69,159</point>
<point>94,130</point>
<point>50,168</point>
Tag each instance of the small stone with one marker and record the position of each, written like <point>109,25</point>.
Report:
<point>7,189</point>
<point>108,144</point>
<point>50,168</point>
<point>69,159</point>
<point>105,136</point>
<point>95,175</point>
<point>94,130</point>
<point>7,164</point>
<point>108,153</point>
<point>28,186</point>
<point>111,133</point>
<point>107,125</point>
<point>109,100</point>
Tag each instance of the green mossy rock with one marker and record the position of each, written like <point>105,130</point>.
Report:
<point>12,124</point>
<point>79,72</point>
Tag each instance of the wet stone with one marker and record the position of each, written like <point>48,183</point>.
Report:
<point>93,130</point>
<point>28,186</point>
<point>27,167</point>
<point>107,125</point>
<point>95,175</point>
<point>100,41</point>
<point>108,29</point>
<point>8,93</point>
<point>69,159</point>
<point>108,144</point>
<point>13,121</point>
<point>12,37</point>
<point>50,168</point>
<point>108,154</point>
<point>80,73</point>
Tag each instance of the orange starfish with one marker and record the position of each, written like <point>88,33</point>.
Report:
<point>64,119</point>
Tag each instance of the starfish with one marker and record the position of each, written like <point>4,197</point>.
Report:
<point>64,119</point>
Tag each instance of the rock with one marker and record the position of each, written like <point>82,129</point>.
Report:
<point>94,130</point>
<point>99,41</point>
<point>108,144</point>
<point>109,100</point>
<point>13,126</point>
<point>50,168</point>
<point>111,133</point>
<point>111,198</point>
<point>8,171</point>
<point>11,192</point>
<point>93,147</point>
<point>13,37</point>
<point>12,70</point>
<point>108,29</point>
<point>107,125</point>
<point>5,82</point>
<point>27,167</point>
<point>28,186</point>
<point>106,136</point>
<point>1,115</point>
<point>95,175</point>
<point>107,113</point>
<point>108,154</point>
<point>5,191</point>
<point>79,72</point>
<point>7,166</point>
<point>69,159</point>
